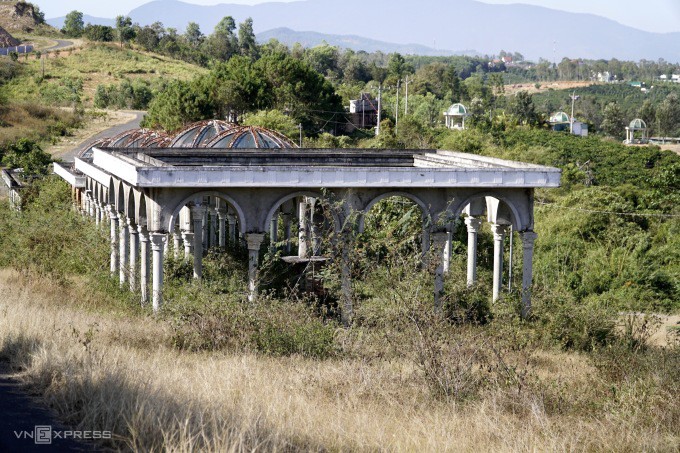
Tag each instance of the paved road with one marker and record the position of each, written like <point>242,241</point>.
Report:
<point>110,132</point>
<point>61,44</point>
<point>19,416</point>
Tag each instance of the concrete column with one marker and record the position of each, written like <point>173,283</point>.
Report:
<point>286,231</point>
<point>233,233</point>
<point>528,239</point>
<point>316,221</point>
<point>157,246</point>
<point>90,205</point>
<point>274,232</point>
<point>254,241</point>
<point>113,215</point>
<point>97,214</point>
<point>425,240</point>
<point>212,233</point>
<point>440,240</point>
<point>134,247</point>
<point>447,248</point>
<point>473,225</point>
<point>144,263</point>
<point>303,229</point>
<point>498,242</point>
<point>176,243</point>
<point>198,218</point>
<point>222,220</point>
<point>203,229</point>
<point>188,239</point>
<point>346,284</point>
<point>124,243</point>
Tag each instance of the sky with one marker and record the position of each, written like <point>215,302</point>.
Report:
<point>650,15</point>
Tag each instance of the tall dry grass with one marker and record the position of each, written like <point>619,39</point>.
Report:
<point>111,371</point>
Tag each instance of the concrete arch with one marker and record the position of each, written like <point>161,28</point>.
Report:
<point>425,210</point>
<point>212,193</point>
<point>112,193</point>
<point>140,211</point>
<point>120,197</point>
<point>518,221</point>
<point>130,208</point>
<point>304,193</point>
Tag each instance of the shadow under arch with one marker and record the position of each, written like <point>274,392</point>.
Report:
<point>303,193</point>
<point>141,211</point>
<point>112,193</point>
<point>425,210</point>
<point>208,193</point>
<point>516,219</point>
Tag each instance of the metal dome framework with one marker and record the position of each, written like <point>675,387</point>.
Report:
<point>455,116</point>
<point>197,135</point>
<point>250,137</point>
<point>637,125</point>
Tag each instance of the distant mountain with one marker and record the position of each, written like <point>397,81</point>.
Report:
<point>311,39</point>
<point>58,22</point>
<point>461,24</point>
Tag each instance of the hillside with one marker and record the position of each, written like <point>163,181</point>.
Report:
<point>7,40</point>
<point>19,17</point>
<point>532,30</point>
<point>354,42</point>
<point>79,73</point>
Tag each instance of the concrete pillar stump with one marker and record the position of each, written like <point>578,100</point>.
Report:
<point>254,241</point>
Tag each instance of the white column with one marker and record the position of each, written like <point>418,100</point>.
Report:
<point>425,240</point>
<point>528,239</point>
<point>473,225</point>
<point>286,230</point>
<point>254,242</point>
<point>446,264</point>
<point>134,247</point>
<point>176,243</point>
<point>203,229</point>
<point>123,258</point>
<point>222,220</point>
<point>439,243</point>
<point>274,232</point>
<point>114,241</point>
<point>157,245</point>
<point>233,234</point>
<point>198,217</point>
<point>303,229</point>
<point>213,228</point>
<point>498,242</point>
<point>188,239</point>
<point>144,263</point>
<point>316,220</point>
<point>97,214</point>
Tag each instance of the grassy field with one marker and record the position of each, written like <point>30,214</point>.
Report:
<point>214,372</point>
<point>80,71</point>
<point>103,370</point>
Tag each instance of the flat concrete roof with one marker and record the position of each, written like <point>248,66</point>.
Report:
<point>201,167</point>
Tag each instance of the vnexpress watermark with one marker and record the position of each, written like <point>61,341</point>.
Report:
<point>45,434</point>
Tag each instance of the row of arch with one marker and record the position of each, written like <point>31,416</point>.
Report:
<point>138,220</point>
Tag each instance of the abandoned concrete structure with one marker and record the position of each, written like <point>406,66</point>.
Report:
<point>195,197</point>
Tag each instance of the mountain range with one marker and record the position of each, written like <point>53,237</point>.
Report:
<point>433,24</point>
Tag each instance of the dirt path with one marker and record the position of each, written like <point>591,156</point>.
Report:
<point>111,123</point>
<point>20,414</point>
<point>545,86</point>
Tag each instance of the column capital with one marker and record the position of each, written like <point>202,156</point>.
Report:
<point>528,238</point>
<point>197,210</point>
<point>499,231</point>
<point>440,237</point>
<point>157,240</point>
<point>143,233</point>
<point>473,224</point>
<point>254,240</point>
<point>113,215</point>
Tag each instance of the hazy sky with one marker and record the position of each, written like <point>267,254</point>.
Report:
<point>650,15</point>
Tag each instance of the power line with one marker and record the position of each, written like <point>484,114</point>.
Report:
<point>594,211</point>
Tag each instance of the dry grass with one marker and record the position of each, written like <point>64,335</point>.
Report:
<point>112,371</point>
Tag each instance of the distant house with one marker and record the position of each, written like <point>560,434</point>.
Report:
<point>604,77</point>
<point>363,113</point>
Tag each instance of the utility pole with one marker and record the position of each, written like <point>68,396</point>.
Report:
<point>396,110</point>
<point>574,98</point>
<point>407,82</point>
<point>377,128</point>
